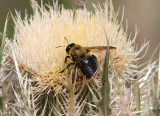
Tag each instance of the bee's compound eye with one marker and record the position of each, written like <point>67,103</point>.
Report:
<point>69,47</point>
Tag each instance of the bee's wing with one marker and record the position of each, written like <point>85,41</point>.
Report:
<point>99,48</point>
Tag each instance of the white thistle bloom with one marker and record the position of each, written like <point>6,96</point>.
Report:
<point>36,39</point>
<point>35,48</point>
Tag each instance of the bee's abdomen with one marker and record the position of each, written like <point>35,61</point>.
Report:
<point>88,66</point>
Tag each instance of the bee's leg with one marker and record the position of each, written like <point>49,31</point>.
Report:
<point>67,67</point>
<point>66,58</point>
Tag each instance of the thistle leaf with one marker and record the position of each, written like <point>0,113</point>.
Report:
<point>105,90</point>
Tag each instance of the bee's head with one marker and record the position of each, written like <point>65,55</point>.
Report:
<point>69,47</point>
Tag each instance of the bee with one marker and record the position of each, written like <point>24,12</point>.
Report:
<point>83,59</point>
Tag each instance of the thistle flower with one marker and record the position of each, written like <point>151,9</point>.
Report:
<point>35,53</point>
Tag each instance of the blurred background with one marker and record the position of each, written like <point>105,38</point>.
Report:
<point>143,13</point>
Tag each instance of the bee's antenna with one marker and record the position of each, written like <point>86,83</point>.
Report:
<point>66,40</point>
<point>63,46</point>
